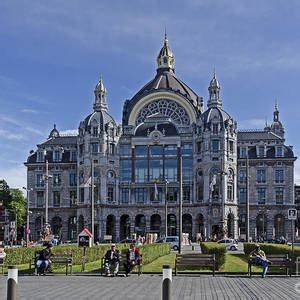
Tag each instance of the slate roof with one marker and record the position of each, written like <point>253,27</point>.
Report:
<point>257,135</point>
<point>61,140</point>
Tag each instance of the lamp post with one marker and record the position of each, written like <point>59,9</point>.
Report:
<point>247,201</point>
<point>46,177</point>
<point>180,200</point>
<point>166,207</point>
<point>92,202</point>
<point>28,212</point>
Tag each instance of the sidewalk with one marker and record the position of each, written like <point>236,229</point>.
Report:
<point>149,287</point>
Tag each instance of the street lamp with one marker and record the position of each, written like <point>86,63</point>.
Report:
<point>180,200</point>
<point>46,178</point>
<point>28,212</point>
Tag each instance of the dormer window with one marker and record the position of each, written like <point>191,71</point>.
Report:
<point>56,156</point>
<point>279,151</point>
<point>40,156</point>
<point>243,152</point>
<point>95,131</point>
<point>215,129</point>
<point>261,151</point>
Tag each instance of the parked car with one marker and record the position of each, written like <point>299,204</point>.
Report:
<point>173,240</point>
<point>230,244</point>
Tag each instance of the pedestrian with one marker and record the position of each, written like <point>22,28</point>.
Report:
<point>133,258</point>
<point>112,261</point>
<point>260,259</point>
<point>43,262</point>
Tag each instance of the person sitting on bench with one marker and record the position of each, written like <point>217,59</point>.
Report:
<point>133,258</point>
<point>43,263</point>
<point>260,259</point>
<point>112,260</point>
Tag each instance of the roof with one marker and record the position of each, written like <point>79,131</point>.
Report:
<point>104,118</point>
<point>246,135</point>
<point>61,140</point>
<point>210,112</point>
<point>85,231</point>
<point>270,153</point>
<point>165,80</point>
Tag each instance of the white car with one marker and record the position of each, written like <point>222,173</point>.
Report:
<point>230,244</point>
<point>173,240</point>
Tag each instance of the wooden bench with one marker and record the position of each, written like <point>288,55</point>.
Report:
<point>277,260</point>
<point>122,257</point>
<point>65,259</point>
<point>195,260</point>
<point>2,264</point>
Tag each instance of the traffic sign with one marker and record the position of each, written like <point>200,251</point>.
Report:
<point>292,214</point>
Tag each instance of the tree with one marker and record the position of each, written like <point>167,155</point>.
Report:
<point>5,196</point>
<point>17,206</point>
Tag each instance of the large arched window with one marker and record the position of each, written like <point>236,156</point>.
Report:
<point>261,226</point>
<point>155,223</point>
<point>279,225</point>
<point>172,225</point>
<point>125,227</point>
<point>187,225</point>
<point>166,107</point>
<point>111,226</point>
<point>140,225</point>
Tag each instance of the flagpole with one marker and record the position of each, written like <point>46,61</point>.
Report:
<point>166,208</point>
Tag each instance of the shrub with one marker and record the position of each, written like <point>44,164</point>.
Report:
<point>213,248</point>
<point>18,256</point>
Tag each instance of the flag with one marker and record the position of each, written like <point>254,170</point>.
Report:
<point>155,192</point>
<point>213,182</point>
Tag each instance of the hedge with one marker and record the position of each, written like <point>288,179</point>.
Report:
<point>213,248</point>
<point>18,256</point>
<point>272,249</point>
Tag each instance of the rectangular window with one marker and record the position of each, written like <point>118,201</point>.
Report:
<point>215,128</point>
<point>94,147</point>
<point>124,195</point>
<point>186,194</point>
<point>73,156</point>
<point>242,195</point>
<point>72,179</point>
<point>229,192</point>
<point>243,152</point>
<point>81,195</point>
<point>141,170</point>
<point>141,151</point>
<point>95,131</point>
<point>140,195</point>
<point>187,150</point>
<point>40,180</point>
<point>56,179</point>
<point>279,195</point>
<point>110,194</point>
<point>125,150</point>
<point>261,151</point>
<point>125,170</point>
<point>279,176</point>
<point>261,195</point>
<point>199,147</point>
<point>279,151</point>
<point>215,145</point>
<point>200,192</point>
<point>231,146</point>
<point>242,176</point>
<point>187,169</point>
<point>73,198</point>
<point>56,155</point>
<point>261,176</point>
<point>156,194</point>
<point>96,194</point>
<point>112,149</point>
<point>40,199</point>
<point>170,150</point>
<point>172,194</point>
<point>81,147</point>
<point>156,170</point>
<point>171,169</point>
<point>40,156</point>
<point>56,199</point>
<point>156,151</point>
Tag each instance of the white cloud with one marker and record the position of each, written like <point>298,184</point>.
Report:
<point>29,110</point>
<point>11,136</point>
<point>69,132</point>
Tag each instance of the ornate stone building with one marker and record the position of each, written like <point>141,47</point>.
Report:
<point>130,170</point>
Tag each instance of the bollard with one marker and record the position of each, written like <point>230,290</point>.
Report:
<point>12,281</point>
<point>166,284</point>
<point>193,248</point>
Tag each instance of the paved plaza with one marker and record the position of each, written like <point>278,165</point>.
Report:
<point>149,287</point>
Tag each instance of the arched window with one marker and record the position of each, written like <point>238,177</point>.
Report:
<point>155,223</point>
<point>140,225</point>
<point>172,225</point>
<point>124,227</point>
<point>80,223</point>
<point>187,225</point>
<point>230,225</point>
<point>56,225</point>
<point>261,226</point>
<point>279,225</point>
<point>111,226</point>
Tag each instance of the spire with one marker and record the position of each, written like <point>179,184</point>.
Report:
<point>276,112</point>
<point>214,92</point>
<point>277,126</point>
<point>100,96</point>
<point>165,58</point>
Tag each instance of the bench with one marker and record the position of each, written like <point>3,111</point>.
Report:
<point>122,257</point>
<point>2,264</point>
<point>277,260</point>
<point>65,259</point>
<point>195,260</point>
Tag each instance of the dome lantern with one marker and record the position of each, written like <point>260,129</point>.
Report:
<point>100,96</point>
<point>165,58</point>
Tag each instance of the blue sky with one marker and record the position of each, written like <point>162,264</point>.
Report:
<point>53,52</point>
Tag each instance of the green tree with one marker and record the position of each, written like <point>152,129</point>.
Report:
<point>5,196</point>
<point>17,206</point>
